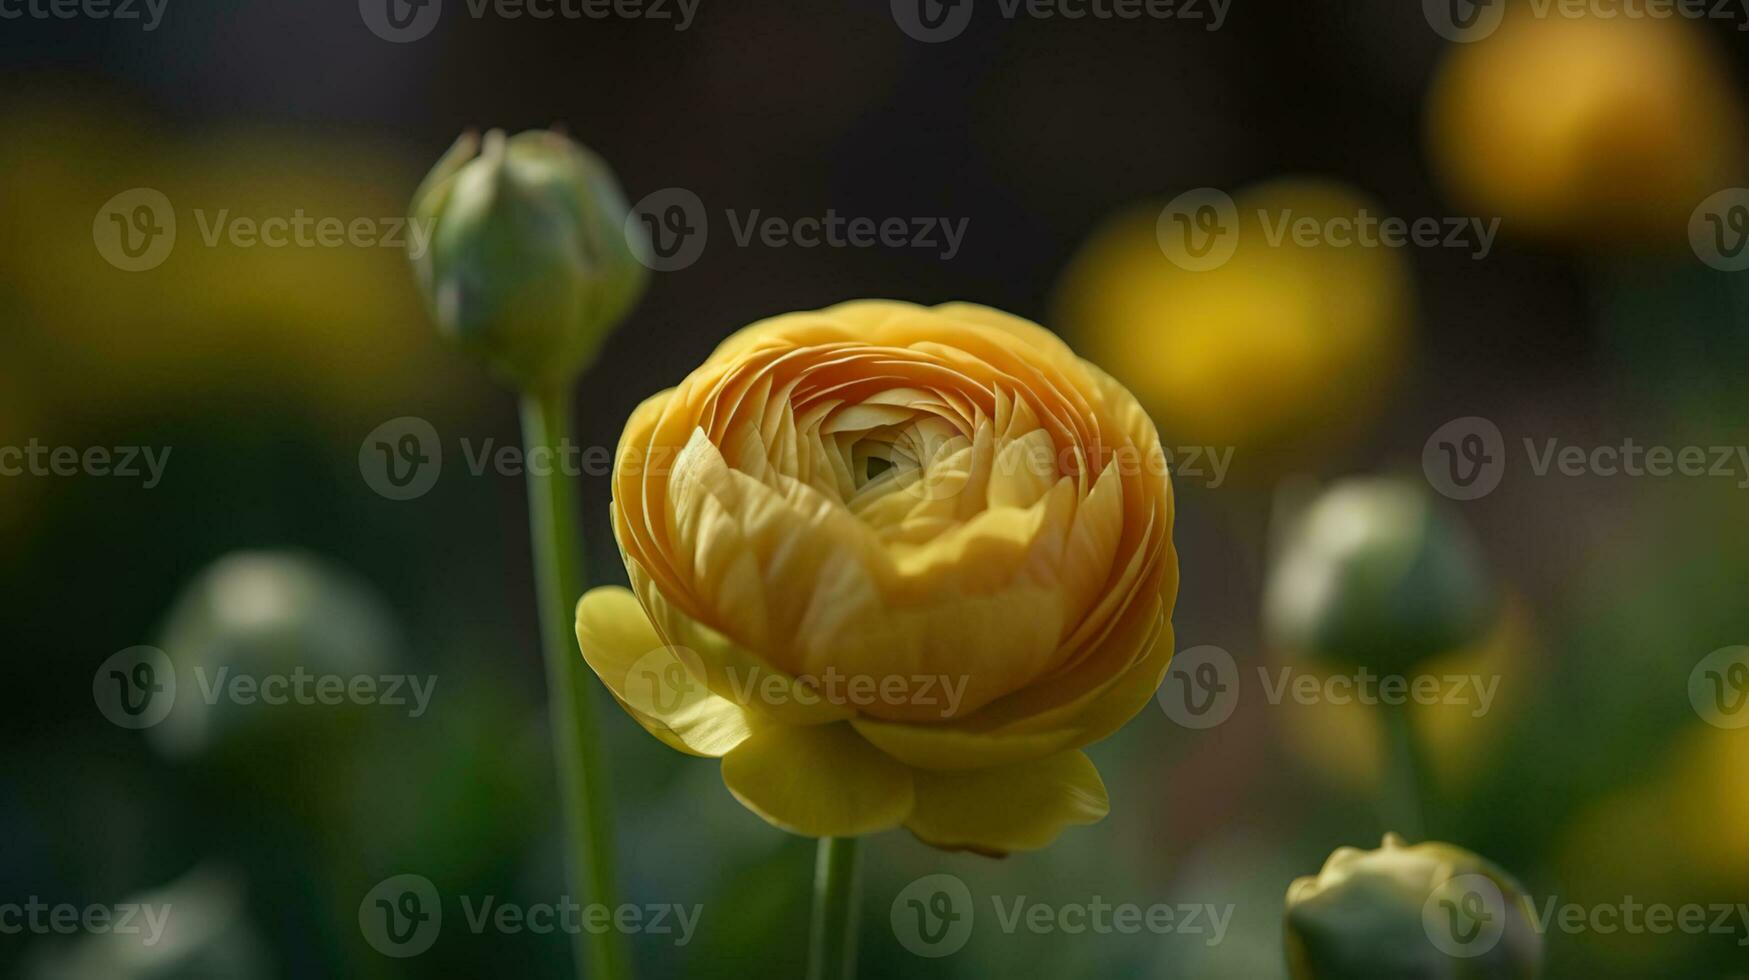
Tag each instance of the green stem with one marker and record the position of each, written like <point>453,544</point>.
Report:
<point>1404,775</point>
<point>832,955</point>
<point>583,786</point>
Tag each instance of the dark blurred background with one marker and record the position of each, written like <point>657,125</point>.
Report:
<point>263,370</point>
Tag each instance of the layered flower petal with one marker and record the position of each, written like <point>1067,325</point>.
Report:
<point>652,680</point>
<point>820,780</point>
<point>910,555</point>
<point>1008,808</point>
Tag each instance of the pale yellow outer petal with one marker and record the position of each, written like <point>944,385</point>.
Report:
<point>819,780</point>
<point>624,650</point>
<point>1008,808</point>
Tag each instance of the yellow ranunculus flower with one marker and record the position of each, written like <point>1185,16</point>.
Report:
<point>894,565</point>
<point>1600,130</point>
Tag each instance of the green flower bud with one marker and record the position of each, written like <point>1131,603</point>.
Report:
<point>271,634</point>
<point>531,261</point>
<point>1427,912</point>
<point>1374,573</point>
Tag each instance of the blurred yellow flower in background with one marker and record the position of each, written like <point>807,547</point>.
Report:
<point>895,565</point>
<point>1678,837</point>
<point>1346,742</point>
<point>332,330</point>
<point>1594,131</point>
<point>1282,352</point>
